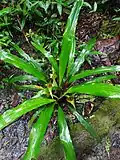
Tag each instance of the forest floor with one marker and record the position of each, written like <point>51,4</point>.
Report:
<point>14,138</point>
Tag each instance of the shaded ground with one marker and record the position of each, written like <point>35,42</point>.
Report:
<point>14,138</point>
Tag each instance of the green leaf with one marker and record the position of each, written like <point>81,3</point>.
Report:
<point>22,78</point>
<point>81,57</point>
<point>97,89</point>
<point>5,11</point>
<point>21,52</point>
<point>26,56</point>
<point>101,79</point>
<point>4,24</point>
<point>68,39</point>
<point>44,5</point>
<point>30,86</point>
<point>38,132</point>
<point>116,19</point>
<point>71,62</point>
<point>59,8</point>
<point>85,124</point>
<point>90,44</point>
<point>28,67</point>
<point>95,7</point>
<point>65,136</point>
<point>47,55</point>
<point>87,5</point>
<point>99,70</point>
<point>12,114</point>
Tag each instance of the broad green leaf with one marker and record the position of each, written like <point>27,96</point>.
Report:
<point>31,86</point>
<point>44,5</point>
<point>68,39</point>
<point>22,64</point>
<point>97,89</point>
<point>34,117</point>
<point>21,52</point>
<point>12,114</point>
<point>87,5</point>
<point>101,79</point>
<point>4,24</point>
<point>22,78</point>
<point>71,62</point>
<point>38,132</point>
<point>99,70</point>
<point>90,44</point>
<point>26,56</point>
<point>85,124</point>
<point>5,11</point>
<point>78,62</point>
<point>47,55</point>
<point>59,8</point>
<point>81,57</point>
<point>116,19</point>
<point>65,136</point>
<point>95,7</point>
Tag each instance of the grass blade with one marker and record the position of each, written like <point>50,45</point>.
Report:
<point>65,136</point>
<point>38,132</point>
<point>68,39</point>
<point>99,70</point>
<point>22,64</point>
<point>12,114</point>
<point>97,89</point>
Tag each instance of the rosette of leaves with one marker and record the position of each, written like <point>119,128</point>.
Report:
<point>57,88</point>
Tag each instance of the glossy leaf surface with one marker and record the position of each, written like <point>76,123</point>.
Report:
<point>85,124</point>
<point>65,136</point>
<point>12,114</point>
<point>22,64</point>
<point>22,78</point>
<point>38,132</point>
<point>68,39</point>
<point>101,79</point>
<point>5,11</point>
<point>21,52</point>
<point>97,89</point>
<point>47,55</point>
<point>99,70</point>
<point>82,56</point>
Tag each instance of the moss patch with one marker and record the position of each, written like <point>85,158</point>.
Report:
<point>103,121</point>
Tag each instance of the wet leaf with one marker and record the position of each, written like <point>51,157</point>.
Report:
<point>68,39</point>
<point>99,70</point>
<point>47,55</point>
<point>82,56</point>
<point>28,67</point>
<point>21,52</point>
<point>65,136</point>
<point>38,132</point>
<point>85,124</point>
<point>97,89</point>
<point>101,79</point>
<point>22,78</point>
<point>5,11</point>
<point>12,114</point>
<point>59,7</point>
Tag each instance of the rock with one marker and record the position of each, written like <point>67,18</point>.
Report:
<point>103,121</point>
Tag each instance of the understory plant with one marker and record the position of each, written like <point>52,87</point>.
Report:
<point>56,85</point>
